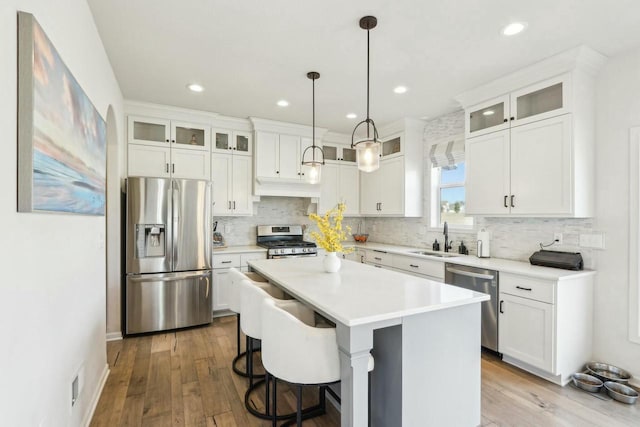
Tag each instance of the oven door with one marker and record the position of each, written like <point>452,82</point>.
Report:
<point>290,256</point>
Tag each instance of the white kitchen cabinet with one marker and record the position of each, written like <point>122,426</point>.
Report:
<point>382,192</point>
<point>279,157</point>
<point>542,100</point>
<point>526,330</point>
<point>340,184</point>
<point>164,148</point>
<point>148,160</point>
<point>545,326</point>
<point>338,153</point>
<point>222,263</point>
<point>165,162</point>
<point>232,142</point>
<point>231,187</point>
<point>421,267</point>
<point>530,139</point>
<point>525,170</point>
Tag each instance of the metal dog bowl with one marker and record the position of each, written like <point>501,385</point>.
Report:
<point>608,372</point>
<point>621,392</point>
<point>587,382</point>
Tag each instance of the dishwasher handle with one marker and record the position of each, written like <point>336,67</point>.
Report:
<point>470,274</point>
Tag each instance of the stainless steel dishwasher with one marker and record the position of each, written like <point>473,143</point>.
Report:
<point>479,280</point>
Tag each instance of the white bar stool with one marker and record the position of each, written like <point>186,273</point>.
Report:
<point>233,285</point>
<point>298,352</point>
<point>252,295</point>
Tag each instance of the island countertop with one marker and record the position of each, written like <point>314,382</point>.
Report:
<point>359,294</point>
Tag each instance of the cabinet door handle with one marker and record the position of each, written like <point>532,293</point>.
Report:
<point>225,262</point>
<point>413,265</point>
<point>523,289</point>
<point>380,205</point>
<point>229,205</point>
<point>501,302</point>
<point>298,173</point>
<point>506,120</point>
<point>505,201</point>
<point>512,197</point>
<point>377,258</point>
<point>277,171</point>
<point>234,205</point>
<point>173,167</point>
<point>377,266</point>
<point>166,140</point>
<point>167,166</point>
<point>173,140</point>
<point>512,118</point>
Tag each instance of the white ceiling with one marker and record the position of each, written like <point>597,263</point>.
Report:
<point>248,54</point>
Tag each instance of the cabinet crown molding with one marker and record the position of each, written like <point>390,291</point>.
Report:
<point>267,125</point>
<point>582,59</point>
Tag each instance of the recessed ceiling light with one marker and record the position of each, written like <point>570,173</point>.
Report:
<point>195,87</point>
<point>352,116</point>
<point>514,28</point>
<point>400,89</point>
<point>424,117</point>
<point>283,103</point>
<point>488,113</point>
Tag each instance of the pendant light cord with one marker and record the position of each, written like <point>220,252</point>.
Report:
<point>367,83</point>
<point>313,120</point>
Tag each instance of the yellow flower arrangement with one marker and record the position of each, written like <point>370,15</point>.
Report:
<point>331,234</point>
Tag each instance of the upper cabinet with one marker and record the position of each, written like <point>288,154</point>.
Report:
<point>163,132</point>
<point>539,101</point>
<point>278,148</point>
<point>530,140</point>
<point>165,148</point>
<point>339,153</point>
<point>396,188</point>
<point>227,141</point>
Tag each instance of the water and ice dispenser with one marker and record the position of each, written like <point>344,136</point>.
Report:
<point>150,239</point>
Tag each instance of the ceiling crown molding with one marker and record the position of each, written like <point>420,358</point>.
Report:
<point>267,125</point>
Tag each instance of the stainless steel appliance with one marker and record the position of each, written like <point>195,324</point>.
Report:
<point>479,280</point>
<point>284,241</point>
<point>168,254</point>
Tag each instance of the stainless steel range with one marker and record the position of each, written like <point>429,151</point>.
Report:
<point>283,241</point>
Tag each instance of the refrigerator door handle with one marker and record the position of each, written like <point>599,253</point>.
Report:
<point>206,295</point>
<point>175,215</point>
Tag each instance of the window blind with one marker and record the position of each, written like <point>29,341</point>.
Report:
<point>447,152</point>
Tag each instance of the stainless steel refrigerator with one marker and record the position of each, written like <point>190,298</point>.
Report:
<point>168,254</point>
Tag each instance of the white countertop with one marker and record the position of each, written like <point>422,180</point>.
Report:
<point>502,265</point>
<point>238,249</point>
<point>359,293</point>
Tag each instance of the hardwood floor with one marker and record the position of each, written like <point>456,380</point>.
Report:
<point>184,378</point>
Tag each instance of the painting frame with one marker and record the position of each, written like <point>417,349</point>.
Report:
<point>61,136</point>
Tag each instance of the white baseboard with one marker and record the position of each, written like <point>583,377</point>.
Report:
<point>96,396</point>
<point>114,336</point>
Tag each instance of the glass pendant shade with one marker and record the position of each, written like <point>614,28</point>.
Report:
<point>313,172</point>
<point>368,155</point>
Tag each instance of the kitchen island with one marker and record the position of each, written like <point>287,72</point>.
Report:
<point>423,334</point>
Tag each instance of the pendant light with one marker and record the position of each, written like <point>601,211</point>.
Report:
<point>313,166</point>
<point>367,150</point>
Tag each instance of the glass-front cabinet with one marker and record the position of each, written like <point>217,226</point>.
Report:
<point>392,146</point>
<point>237,142</point>
<point>165,133</point>
<point>539,101</point>
<point>337,152</point>
<point>149,131</point>
<point>490,116</point>
<point>189,135</point>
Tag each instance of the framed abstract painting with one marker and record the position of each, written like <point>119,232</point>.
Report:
<point>61,136</point>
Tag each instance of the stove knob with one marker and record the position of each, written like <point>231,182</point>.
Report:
<point>304,249</point>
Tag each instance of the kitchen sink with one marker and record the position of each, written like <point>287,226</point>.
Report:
<point>435,254</point>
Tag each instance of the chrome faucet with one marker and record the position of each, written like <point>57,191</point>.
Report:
<point>446,237</point>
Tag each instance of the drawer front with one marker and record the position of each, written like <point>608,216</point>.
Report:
<point>527,287</point>
<point>226,260</point>
<point>419,266</point>
<point>251,256</point>
<point>378,257</point>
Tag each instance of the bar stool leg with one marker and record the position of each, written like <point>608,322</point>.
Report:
<point>275,399</point>
<point>299,405</point>
<point>238,333</point>
<point>266,393</point>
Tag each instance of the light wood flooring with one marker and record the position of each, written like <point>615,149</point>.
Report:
<point>184,378</point>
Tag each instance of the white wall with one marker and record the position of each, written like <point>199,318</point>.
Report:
<point>52,290</point>
<point>618,109</point>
